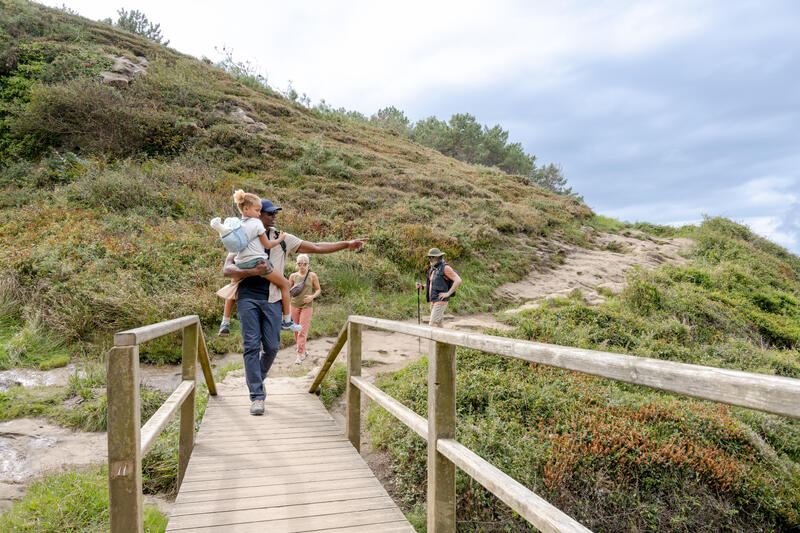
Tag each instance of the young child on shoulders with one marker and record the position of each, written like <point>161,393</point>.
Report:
<point>249,206</point>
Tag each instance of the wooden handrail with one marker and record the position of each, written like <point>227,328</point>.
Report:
<point>205,364</point>
<point>153,331</point>
<point>335,349</point>
<point>127,441</point>
<point>156,424</point>
<point>771,394</point>
<point>416,423</point>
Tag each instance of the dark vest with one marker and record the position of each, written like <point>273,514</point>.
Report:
<point>438,283</point>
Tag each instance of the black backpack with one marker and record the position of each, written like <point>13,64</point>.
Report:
<point>283,245</point>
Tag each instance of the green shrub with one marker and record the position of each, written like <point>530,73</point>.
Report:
<point>126,189</point>
<point>317,160</point>
<point>75,501</point>
<point>86,116</point>
<point>333,385</point>
<point>606,224</point>
<point>641,294</point>
<point>663,231</point>
<point>234,139</point>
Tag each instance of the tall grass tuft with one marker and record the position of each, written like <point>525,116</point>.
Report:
<point>70,502</point>
<point>30,345</point>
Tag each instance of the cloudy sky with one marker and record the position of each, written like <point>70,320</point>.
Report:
<point>657,111</point>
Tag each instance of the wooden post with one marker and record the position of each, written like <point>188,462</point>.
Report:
<point>441,425</point>
<point>189,372</point>
<point>353,393</point>
<point>124,440</point>
<point>205,364</point>
<point>340,340</point>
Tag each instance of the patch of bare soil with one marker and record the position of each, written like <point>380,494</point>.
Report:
<point>593,272</point>
<point>28,377</point>
<point>30,448</point>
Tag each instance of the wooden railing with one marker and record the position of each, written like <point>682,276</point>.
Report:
<point>127,441</point>
<point>771,394</point>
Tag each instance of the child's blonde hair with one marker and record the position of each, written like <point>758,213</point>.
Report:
<point>241,199</point>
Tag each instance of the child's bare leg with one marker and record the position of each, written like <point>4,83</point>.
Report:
<point>283,284</point>
<point>225,326</point>
<point>226,313</point>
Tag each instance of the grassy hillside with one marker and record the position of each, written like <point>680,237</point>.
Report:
<point>619,457</point>
<point>106,196</point>
<point>106,193</point>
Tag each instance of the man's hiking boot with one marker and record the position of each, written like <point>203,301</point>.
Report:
<point>290,325</point>
<point>224,330</point>
<point>257,407</point>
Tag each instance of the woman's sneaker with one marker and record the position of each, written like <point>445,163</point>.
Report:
<point>290,325</point>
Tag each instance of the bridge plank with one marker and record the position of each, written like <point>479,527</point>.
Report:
<point>210,453</point>
<point>373,521</point>
<point>229,484</point>
<point>270,460</point>
<point>317,509</point>
<point>278,500</point>
<point>291,470</point>
<point>293,487</point>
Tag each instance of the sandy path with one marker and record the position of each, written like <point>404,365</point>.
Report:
<point>591,271</point>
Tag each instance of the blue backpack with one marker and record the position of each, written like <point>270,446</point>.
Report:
<point>235,241</point>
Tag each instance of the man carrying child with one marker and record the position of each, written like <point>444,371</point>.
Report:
<point>259,302</point>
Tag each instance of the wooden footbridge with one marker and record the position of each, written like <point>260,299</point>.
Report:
<point>293,470</point>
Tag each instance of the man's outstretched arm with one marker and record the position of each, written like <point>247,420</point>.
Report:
<point>330,247</point>
<point>230,270</point>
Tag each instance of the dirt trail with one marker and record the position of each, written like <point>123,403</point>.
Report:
<point>593,271</point>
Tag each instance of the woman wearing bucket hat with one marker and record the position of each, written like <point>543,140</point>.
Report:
<point>442,284</point>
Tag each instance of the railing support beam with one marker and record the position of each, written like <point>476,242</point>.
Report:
<point>189,373</point>
<point>124,440</point>
<point>441,425</point>
<point>353,392</point>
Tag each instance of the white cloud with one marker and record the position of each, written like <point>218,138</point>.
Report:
<point>365,54</point>
<point>770,228</point>
<point>771,191</point>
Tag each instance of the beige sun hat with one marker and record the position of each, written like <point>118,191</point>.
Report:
<point>435,252</point>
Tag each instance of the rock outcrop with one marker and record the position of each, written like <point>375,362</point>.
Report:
<point>238,116</point>
<point>123,71</point>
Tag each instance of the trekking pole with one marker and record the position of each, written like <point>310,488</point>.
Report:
<point>419,339</point>
<point>418,319</point>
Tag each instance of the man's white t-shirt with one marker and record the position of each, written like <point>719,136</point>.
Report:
<point>278,259</point>
<point>254,250</point>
